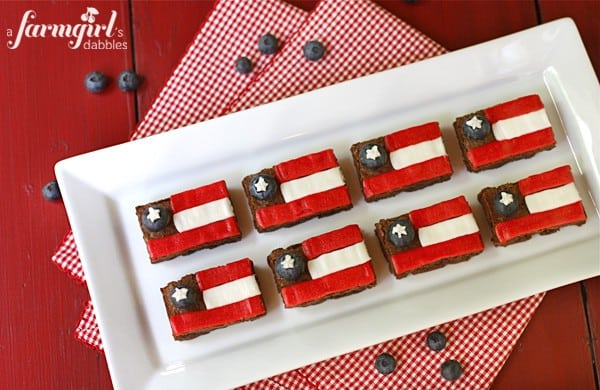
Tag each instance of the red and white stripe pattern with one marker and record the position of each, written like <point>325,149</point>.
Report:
<point>311,185</point>
<point>552,201</point>
<point>519,126</point>
<point>417,154</point>
<point>230,294</point>
<point>202,216</point>
<point>444,230</point>
<point>337,262</point>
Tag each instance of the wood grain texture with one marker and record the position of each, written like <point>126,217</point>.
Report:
<point>47,115</point>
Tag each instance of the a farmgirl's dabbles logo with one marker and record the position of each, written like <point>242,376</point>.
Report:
<point>91,34</point>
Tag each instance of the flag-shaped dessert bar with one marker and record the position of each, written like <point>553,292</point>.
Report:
<point>539,203</point>
<point>213,298</point>
<point>509,131</point>
<point>296,190</point>
<point>199,218</point>
<point>430,237</point>
<point>326,266</point>
<point>405,160</point>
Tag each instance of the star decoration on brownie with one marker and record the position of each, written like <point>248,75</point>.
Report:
<point>180,294</point>
<point>399,230</point>
<point>261,185</point>
<point>288,262</point>
<point>153,214</point>
<point>373,152</point>
<point>506,198</point>
<point>475,123</point>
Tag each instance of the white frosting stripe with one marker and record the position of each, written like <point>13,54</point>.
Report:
<point>520,125</point>
<point>231,292</point>
<point>312,184</point>
<point>448,230</point>
<point>552,198</point>
<point>417,153</point>
<point>202,215</point>
<point>338,260</point>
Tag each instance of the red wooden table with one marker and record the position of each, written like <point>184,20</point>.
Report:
<point>47,115</point>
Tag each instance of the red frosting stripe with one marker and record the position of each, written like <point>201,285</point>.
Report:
<point>178,242</point>
<point>310,290</point>
<point>412,135</point>
<point>196,197</point>
<point>439,212</point>
<point>561,216</point>
<point>554,178</point>
<point>520,106</point>
<point>331,241</point>
<point>283,213</point>
<point>500,150</point>
<point>416,173</point>
<point>217,276</point>
<point>305,165</point>
<point>194,321</point>
<point>415,258</point>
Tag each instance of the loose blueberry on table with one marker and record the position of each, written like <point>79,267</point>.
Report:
<point>451,370</point>
<point>314,50</point>
<point>128,81</point>
<point>436,341</point>
<point>95,82</point>
<point>267,44</point>
<point>243,65</point>
<point>385,363</point>
<point>50,191</point>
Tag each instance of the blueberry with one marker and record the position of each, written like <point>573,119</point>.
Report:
<point>156,218</point>
<point>436,341</point>
<point>95,82</point>
<point>267,44</point>
<point>373,155</point>
<point>128,81</point>
<point>385,364</point>
<point>290,266</point>
<point>314,50</point>
<point>505,203</point>
<point>181,296</point>
<point>51,191</point>
<point>451,370</point>
<point>243,65</point>
<point>476,127</point>
<point>401,232</point>
<point>263,187</point>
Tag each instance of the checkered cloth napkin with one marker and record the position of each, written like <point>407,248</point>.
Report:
<point>360,38</point>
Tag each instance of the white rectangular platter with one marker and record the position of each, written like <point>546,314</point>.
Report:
<point>101,189</point>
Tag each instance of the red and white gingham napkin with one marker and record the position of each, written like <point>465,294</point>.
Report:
<point>360,38</point>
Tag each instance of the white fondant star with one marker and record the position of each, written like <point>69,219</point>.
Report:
<point>399,230</point>
<point>153,214</point>
<point>288,262</point>
<point>506,198</point>
<point>180,294</point>
<point>475,123</point>
<point>261,184</point>
<point>373,153</point>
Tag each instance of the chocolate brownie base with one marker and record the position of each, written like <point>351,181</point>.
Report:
<point>256,204</point>
<point>280,282</point>
<point>492,217</point>
<point>170,229</point>
<point>467,144</point>
<point>189,281</point>
<point>363,173</point>
<point>390,249</point>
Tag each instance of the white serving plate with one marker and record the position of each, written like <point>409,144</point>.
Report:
<point>101,189</point>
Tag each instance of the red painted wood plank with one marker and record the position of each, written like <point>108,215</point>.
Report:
<point>553,352</point>
<point>592,290</point>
